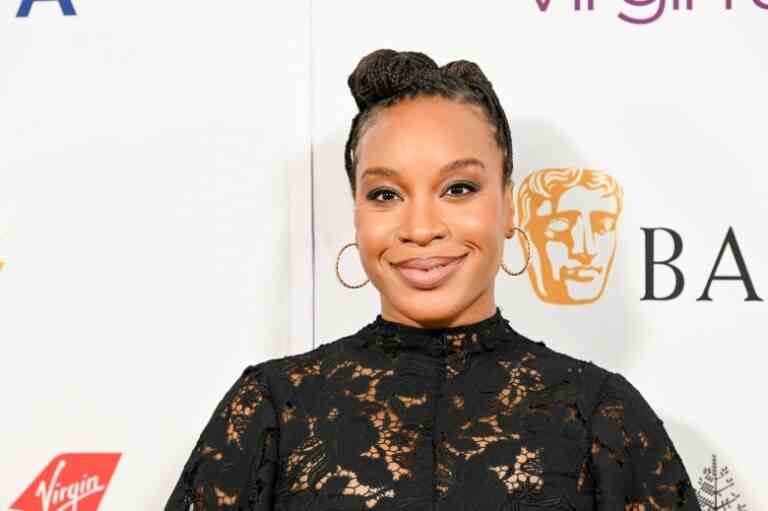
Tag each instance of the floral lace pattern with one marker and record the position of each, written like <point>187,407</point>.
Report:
<point>396,417</point>
<point>235,458</point>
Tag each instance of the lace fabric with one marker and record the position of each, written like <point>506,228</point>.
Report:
<point>395,417</point>
<point>233,463</point>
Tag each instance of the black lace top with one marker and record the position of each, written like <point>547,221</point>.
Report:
<point>395,417</point>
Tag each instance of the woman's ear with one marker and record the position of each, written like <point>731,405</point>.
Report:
<point>509,207</point>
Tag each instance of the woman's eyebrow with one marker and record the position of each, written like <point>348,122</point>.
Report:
<point>445,169</point>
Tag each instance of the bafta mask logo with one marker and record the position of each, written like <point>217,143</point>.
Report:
<point>571,217</point>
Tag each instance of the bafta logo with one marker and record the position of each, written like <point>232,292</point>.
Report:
<point>571,217</point>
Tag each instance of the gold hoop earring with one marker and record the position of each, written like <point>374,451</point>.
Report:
<point>527,249</point>
<point>338,275</point>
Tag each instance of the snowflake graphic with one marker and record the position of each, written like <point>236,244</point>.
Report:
<point>713,484</point>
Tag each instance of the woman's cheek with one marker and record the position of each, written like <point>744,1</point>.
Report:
<point>372,256</point>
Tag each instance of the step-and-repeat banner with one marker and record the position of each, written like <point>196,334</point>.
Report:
<point>173,200</point>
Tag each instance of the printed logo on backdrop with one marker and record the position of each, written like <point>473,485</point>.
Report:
<point>572,217</point>
<point>717,489</point>
<point>70,482</point>
<point>67,8</point>
<point>642,12</point>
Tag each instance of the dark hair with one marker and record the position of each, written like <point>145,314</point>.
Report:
<point>384,77</point>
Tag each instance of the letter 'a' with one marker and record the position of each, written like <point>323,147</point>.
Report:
<point>26,5</point>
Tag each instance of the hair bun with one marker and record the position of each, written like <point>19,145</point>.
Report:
<point>385,72</point>
<point>467,71</point>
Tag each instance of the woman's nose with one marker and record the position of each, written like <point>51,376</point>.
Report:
<point>422,221</point>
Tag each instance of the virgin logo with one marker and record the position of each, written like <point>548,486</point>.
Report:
<point>70,482</point>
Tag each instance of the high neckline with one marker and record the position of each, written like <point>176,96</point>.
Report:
<point>483,335</point>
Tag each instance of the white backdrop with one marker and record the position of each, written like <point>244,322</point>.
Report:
<point>173,197</point>
<point>149,151</point>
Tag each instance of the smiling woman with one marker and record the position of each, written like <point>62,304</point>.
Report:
<point>442,197</point>
<point>438,402</point>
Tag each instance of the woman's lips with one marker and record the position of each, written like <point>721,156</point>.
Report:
<point>429,279</point>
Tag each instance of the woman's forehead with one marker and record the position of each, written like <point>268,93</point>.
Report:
<point>429,129</point>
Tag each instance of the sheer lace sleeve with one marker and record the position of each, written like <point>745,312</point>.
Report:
<point>635,464</point>
<point>232,466</point>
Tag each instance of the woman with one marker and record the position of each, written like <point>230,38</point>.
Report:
<point>438,403</point>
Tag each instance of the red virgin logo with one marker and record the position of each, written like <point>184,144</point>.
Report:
<point>70,482</point>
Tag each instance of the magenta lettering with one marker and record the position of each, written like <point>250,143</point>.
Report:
<point>644,12</point>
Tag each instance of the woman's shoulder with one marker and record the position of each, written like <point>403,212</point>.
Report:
<point>295,369</point>
<point>555,360</point>
<point>599,385</point>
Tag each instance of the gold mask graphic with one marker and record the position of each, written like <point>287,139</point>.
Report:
<point>571,217</point>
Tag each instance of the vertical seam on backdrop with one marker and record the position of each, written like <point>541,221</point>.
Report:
<point>312,170</point>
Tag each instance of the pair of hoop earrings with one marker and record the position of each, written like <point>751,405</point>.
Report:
<point>504,266</point>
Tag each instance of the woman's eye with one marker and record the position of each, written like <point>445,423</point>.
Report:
<point>374,194</point>
<point>468,186</point>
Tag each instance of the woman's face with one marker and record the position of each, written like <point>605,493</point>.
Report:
<point>428,184</point>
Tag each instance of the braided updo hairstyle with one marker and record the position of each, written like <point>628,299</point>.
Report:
<point>384,77</point>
